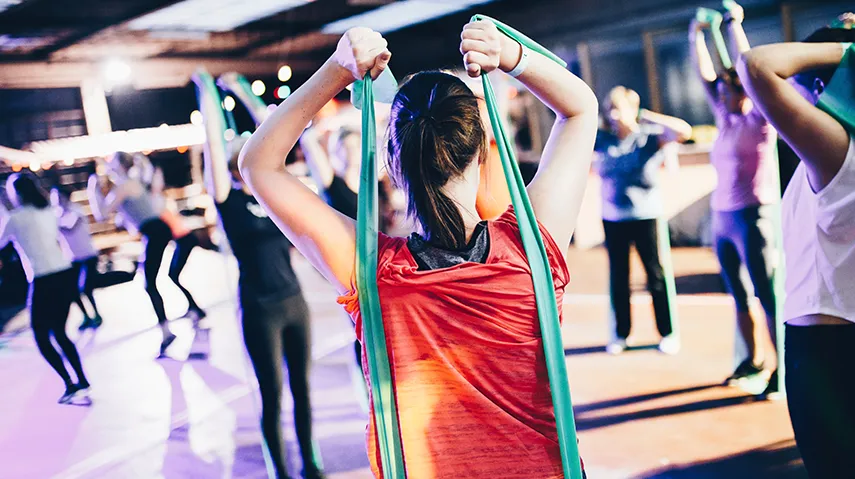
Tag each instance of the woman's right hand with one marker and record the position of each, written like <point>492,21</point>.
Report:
<point>362,50</point>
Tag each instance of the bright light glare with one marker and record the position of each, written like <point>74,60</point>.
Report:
<point>258,87</point>
<point>284,73</point>
<point>229,103</point>
<point>35,165</point>
<point>196,117</point>
<point>397,15</point>
<point>117,71</point>
<point>283,92</point>
<point>211,15</point>
<point>229,135</point>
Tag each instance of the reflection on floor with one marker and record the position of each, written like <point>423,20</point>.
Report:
<point>194,415</point>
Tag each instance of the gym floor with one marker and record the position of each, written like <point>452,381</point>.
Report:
<point>194,415</point>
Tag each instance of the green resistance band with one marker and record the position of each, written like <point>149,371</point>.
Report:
<point>544,289</point>
<point>379,369</point>
<point>838,98</point>
<point>714,18</point>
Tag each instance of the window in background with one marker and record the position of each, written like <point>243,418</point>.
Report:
<point>809,18</point>
<point>43,114</point>
<point>619,62</point>
<point>680,87</point>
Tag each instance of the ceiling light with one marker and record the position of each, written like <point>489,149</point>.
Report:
<point>402,14</point>
<point>258,88</point>
<point>283,92</point>
<point>229,103</point>
<point>116,71</point>
<point>211,15</point>
<point>196,117</point>
<point>284,73</point>
<point>229,134</point>
<point>7,4</point>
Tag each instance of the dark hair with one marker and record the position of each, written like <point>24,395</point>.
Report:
<point>125,159</point>
<point>809,78</point>
<point>29,192</point>
<point>730,78</point>
<point>435,132</point>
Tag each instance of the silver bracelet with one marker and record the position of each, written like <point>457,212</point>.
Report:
<point>522,65</point>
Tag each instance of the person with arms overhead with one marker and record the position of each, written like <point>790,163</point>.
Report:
<point>457,297</point>
<point>630,155</point>
<point>818,223</point>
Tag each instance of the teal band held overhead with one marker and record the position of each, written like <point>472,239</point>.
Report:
<point>838,98</point>
<point>373,334</point>
<point>544,289</point>
<point>714,18</point>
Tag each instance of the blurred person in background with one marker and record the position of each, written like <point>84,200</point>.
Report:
<point>743,155</point>
<point>185,239</point>
<point>629,159</point>
<point>818,224</point>
<point>274,315</point>
<point>33,227</point>
<point>140,210</point>
<point>77,245</point>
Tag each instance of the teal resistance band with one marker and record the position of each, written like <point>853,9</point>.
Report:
<point>385,414</point>
<point>241,88</point>
<point>379,369</point>
<point>838,98</point>
<point>714,18</point>
<point>544,289</point>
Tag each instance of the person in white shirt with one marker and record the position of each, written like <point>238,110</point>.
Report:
<point>76,242</point>
<point>818,218</point>
<point>32,227</point>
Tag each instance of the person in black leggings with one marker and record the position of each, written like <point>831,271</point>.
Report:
<point>33,227</point>
<point>140,211</point>
<point>77,243</point>
<point>274,314</point>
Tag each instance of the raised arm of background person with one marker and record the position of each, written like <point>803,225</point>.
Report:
<point>558,187</point>
<point>676,129</point>
<point>317,158</point>
<point>325,237</point>
<point>5,228</point>
<point>218,180</point>
<point>703,61</point>
<point>820,141</point>
<point>738,40</point>
<point>232,82</point>
<point>157,183</point>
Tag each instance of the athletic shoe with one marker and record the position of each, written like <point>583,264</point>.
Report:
<point>670,345</point>
<point>313,473</point>
<point>772,392</point>
<point>745,369</point>
<point>70,391</point>
<point>616,347</point>
<point>167,341</point>
<point>87,324</point>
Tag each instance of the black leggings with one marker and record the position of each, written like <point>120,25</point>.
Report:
<point>745,237</point>
<point>820,389</point>
<point>156,236</point>
<point>50,300</point>
<point>86,271</point>
<point>271,331</point>
<point>620,235</point>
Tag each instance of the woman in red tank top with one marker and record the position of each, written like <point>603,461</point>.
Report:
<point>458,305</point>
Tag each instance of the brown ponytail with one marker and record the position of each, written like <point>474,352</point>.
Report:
<point>434,134</point>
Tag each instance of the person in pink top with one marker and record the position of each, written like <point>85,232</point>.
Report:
<point>743,157</point>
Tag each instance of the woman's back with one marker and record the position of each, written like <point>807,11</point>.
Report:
<point>36,235</point>
<point>465,347</point>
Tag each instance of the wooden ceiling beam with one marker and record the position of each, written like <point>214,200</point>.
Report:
<point>146,74</point>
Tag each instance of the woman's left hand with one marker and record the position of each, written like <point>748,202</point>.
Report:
<point>485,49</point>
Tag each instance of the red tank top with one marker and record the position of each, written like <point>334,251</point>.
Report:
<point>467,361</point>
